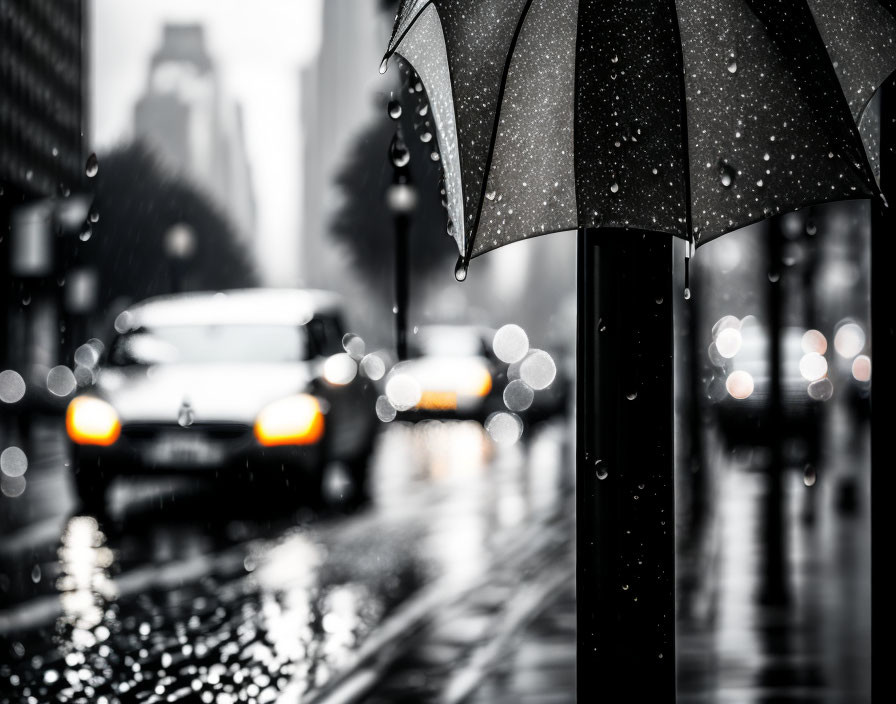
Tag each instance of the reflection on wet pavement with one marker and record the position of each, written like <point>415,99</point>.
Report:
<point>196,598</point>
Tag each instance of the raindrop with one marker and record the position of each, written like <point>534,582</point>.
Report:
<point>61,381</point>
<point>185,415</point>
<point>774,276</point>
<point>92,166</point>
<point>659,300</point>
<point>732,65</point>
<point>615,59</point>
<point>385,411</point>
<point>51,677</point>
<point>94,216</point>
<point>614,187</point>
<point>809,476</point>
<point>766,156</point>
<point>353,344</point>
<point>423,110</point>
<point>632,395</point>
<point>821,390</point>
<point>13,462</point>
<point>398,152</point>
<point>510,343</point>
<point>811,228</point>
<point>601,470</point>
<point>426,137</point>
<point>86,232</point>
<point>35,574</point>
<point>538,370</point>
<point>460,269</point>
<point>373,366</point>
<point>12,386</point>
<point>435,156</point>
<point>384,65</point>
<point>504,428</point>
<point>394,109</point>
<point>518,395</point>
<point>490,195</point>
<point>687,294</point>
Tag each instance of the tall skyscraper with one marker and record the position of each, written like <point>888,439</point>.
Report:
<point>197,130</point>
<point>338,99</point>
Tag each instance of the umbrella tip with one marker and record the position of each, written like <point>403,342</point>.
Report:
<point>384,64</point>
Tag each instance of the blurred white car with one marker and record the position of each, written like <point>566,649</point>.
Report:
<point>236,386</point>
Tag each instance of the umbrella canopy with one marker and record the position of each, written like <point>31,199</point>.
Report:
<point>686,117</point>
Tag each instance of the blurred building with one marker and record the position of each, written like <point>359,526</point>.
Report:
<point>338,99</point>
<point>197,130</point>
<point>42,172</point>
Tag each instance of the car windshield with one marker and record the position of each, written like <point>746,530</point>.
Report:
<point>206,344</point>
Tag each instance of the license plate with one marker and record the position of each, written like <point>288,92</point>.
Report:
<point>185,450</point>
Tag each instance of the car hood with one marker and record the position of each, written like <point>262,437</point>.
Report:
<point>215,393</point>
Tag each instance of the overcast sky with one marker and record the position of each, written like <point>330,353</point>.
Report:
<point>259,47</point>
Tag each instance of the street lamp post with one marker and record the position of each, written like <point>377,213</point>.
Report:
<point>401,198</point>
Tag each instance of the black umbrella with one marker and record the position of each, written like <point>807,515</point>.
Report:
<point>685,117</point>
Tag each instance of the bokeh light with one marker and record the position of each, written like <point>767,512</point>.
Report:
<point>739,384</point>
<point>728,342</point>
<point>861,368</point>
<point>510,343</point>
<point>814,341</point>
<point>849,340</point>
<point>813,366</point>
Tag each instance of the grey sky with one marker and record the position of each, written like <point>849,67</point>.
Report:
<point>259,47</point>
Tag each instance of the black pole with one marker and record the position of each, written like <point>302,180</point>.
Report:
<point>402,225</point>
<point>625,501</point>
<point>773,587</point>
<point>883,346</point>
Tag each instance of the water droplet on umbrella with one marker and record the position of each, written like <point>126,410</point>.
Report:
<point>423,110</point>
<point>732,66</point>
<point>631,396</point>
<point>811,228</point>
<point>426,137</point>
<point>435,156</point>
<point>687,294</point>
<point>727,174</point>
<point>394,109</point>
<point>490,195</point>
<point>86,232</point>
<point>92,166</point>
<point>601,470</point>
<point>384,65</point>
<point>94,216</point>
<point>614,187</point>
<point>35,574</point>
<point>460,269</point>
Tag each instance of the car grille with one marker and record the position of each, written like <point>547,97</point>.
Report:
<point>212,431</point>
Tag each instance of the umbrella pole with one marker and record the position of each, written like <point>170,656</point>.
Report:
<point>883,352</point>
<point>625,501</point>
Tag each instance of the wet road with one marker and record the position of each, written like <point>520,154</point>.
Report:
<point>188,595</point>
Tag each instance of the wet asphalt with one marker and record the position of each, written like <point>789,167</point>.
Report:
<point>186,594</point>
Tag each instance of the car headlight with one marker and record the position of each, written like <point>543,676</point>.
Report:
<point>297,420</point>
<point>477,382</point>
<point>92,421</point>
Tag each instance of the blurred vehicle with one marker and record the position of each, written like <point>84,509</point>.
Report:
<point>239,386</point>
<point>741,385</point>
<point>454,373</point>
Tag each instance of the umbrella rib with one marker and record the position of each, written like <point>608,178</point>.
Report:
<point>395,43</point>
<point>685,138</point>
<point>867,172</point>
<point>494,138</point>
